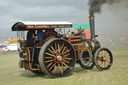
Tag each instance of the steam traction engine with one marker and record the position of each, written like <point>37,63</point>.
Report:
<point>56,53</point>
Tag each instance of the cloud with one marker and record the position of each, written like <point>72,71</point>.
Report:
<point>4,4</point>
<point>12,11</point>
<point>6,23</point>
<point>50,11</point>
<point>45,3</point>
<point>75,11</point>
<point>36,9</point>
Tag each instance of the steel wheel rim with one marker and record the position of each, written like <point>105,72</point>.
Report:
<point>104,59</point>
<point>86,58</point>
<point>59,58</point>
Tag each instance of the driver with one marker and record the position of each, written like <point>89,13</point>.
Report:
<point>40,36</point>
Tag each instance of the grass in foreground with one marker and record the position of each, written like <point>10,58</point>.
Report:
<point>10,74</point>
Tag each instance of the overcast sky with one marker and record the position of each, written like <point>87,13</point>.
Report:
<point>112,20</point>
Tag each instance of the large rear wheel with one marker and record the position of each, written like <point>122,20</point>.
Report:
<point>57,57</point>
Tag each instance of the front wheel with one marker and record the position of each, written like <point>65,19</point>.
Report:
<point>57,57</point>
<point>103,59</point>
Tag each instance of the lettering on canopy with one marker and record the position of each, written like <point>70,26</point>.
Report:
<point>47,26</point>
<point>36,26</point>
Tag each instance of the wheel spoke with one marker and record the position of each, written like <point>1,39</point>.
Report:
<point>50,51</point>
<point>108,59</point>
<point>66,51</point>
<point>65,65</point>
<point>107,54</point>
<point>61,70</point>
<point>50,54</point>
<point>66,61</point>
<point>49,64</point>
<point>48,61</point>
<point>102,53</point>
<point>52,66</point>
<point>100,63</point>
<point>48,57</point>
<point>57,68</point>
<point>62,67</point>
<point>58,48</point>
<point>53,49</point>
<point>68,58</point>
<point>105,64</point>
<point>62,47</point>
<point>54,70</point>
<point>66,55</point>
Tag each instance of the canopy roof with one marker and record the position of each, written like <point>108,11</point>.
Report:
<point>22,26</point>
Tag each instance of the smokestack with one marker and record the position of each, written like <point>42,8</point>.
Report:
<point>95,6</point>
<point>92,24</point>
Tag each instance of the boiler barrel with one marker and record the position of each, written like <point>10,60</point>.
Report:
<point>93,45</point>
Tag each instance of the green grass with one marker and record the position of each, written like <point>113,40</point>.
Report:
<point>10,74</point>
<point>121,52</point>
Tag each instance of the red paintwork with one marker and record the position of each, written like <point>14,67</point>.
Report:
<point>75,40</point>
<point>87,33</point>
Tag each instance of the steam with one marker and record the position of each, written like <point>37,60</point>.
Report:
<point>96,5</point>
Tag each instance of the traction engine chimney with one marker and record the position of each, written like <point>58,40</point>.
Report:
<point>92,24</point>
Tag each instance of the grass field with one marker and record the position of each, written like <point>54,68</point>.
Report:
<point>10,74</point>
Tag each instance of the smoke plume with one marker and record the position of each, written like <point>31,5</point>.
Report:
<point>96,5</point>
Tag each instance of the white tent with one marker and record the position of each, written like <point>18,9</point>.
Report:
<point>12,47</point>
